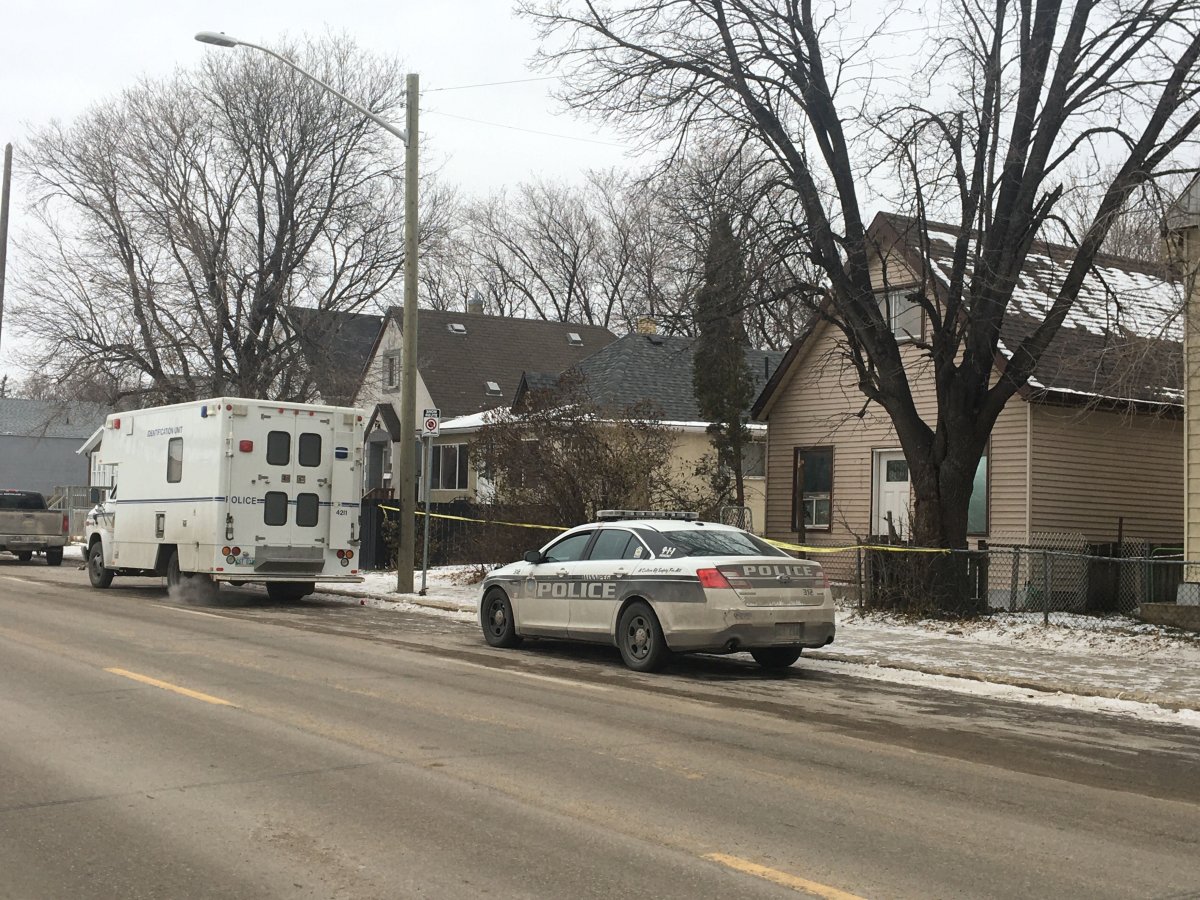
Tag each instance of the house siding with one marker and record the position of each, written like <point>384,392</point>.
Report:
<point>1133,471</point>
<point>820,407</point>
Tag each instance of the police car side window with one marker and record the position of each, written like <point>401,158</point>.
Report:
<point>611,543</point>
<point>569,549</point>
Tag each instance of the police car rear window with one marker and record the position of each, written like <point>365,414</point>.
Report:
<point>696,542</point>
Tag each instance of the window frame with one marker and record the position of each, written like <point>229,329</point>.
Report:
<point>268,507</point>
<point>583,554</point>
<point>391,370</point>
<point>798,499</point>
<point>315,505</point>
<point>177,469</point>
<point>986,461</point>
<point>288,456</point>
<point>629,533</point>
<point>891,317</point>
<point>461,467</point>
<point>300,445</point>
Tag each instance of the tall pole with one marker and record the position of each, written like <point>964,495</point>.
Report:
<point>4,191</point>
<point>408,356</point>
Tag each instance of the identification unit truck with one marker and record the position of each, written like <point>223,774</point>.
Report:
<point>231,490</point>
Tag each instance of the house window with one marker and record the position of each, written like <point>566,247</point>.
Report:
<point>812,488</point>
<point>902,313</point>
<point>493,388</point>
<point>754,459</point>
<point>449,469</point>
<point>175,460</point>
<point>977,509</point>
<point>391,371</point>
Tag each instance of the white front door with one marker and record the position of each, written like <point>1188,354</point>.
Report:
<point>891,493</point>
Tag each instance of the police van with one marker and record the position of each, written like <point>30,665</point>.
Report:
<point>230,490</point>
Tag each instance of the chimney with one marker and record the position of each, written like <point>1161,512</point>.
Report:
<point>646,325</point>
<point>475,304</point>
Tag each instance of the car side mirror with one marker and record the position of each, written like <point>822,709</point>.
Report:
<point>533,556</point>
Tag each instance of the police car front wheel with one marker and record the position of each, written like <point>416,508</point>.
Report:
<point>496,617</point>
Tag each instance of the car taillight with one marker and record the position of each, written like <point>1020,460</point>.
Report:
<point>66,523</point>
<point>712,578</point>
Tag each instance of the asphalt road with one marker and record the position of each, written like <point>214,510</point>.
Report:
<point>152,748</point>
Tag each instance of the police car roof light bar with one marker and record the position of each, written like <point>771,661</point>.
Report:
<point>612,515</point>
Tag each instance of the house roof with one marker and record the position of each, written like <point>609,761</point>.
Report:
<point>457,363</point>
<point>1184,211</point>
<point>657,369</point>
<point>50,418</point>
<point>1121,341</point>
<point>337,347</point>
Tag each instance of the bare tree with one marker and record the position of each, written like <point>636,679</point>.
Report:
<point>182,224</point>
<point>1008,96</point>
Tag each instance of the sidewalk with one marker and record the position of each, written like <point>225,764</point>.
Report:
<point>1116,658</point>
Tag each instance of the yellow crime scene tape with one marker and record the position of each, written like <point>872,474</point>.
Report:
<point>782,545</point>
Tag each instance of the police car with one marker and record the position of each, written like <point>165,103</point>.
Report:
<point>655,583</point>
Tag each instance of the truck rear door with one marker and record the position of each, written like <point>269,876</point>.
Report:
<point>264,478</point>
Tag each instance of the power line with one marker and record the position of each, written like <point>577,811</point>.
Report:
<point>463,87</point>
<point>565,137</point>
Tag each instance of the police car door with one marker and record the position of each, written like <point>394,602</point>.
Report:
<point>545,606</point>
<point>600,582</point>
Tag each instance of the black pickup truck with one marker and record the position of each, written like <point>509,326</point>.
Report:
<point>26,526</point>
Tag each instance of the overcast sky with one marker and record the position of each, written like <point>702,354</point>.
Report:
<point>61,57</point>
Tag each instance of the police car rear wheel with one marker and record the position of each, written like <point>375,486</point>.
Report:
<point>640,639</point>
<point>496,616</point>
<point>776,657</point>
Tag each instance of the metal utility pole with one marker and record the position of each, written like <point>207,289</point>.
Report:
<point>4,192</point>
<point>408,356</point>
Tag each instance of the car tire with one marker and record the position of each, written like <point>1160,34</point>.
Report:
<point>54,556</point>
<point>496,618</point>
<point>99,576</point>
<point>776,657</point>
<point>25,555</point>
<point>640,639</point>
<point>289,592</point>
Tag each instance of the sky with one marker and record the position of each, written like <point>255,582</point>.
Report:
<point>59,58</point>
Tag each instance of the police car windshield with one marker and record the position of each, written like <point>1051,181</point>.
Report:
<point>697,542</point>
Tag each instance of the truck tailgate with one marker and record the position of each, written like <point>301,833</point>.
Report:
<point>42,523</point>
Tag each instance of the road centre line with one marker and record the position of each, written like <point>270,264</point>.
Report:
<point>167,686</point>
<point>23,580</point>
<point>563,681</point>
<point>782,878</point>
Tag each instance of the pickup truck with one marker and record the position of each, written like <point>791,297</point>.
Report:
<point>27,526</point>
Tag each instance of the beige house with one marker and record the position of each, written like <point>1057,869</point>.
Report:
<point>1092,445</point>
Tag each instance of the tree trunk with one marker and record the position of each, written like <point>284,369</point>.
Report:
<point>942,498</point>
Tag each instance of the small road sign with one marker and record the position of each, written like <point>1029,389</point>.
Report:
<point>431,423</point>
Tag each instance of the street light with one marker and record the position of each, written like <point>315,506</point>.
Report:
<point>408,360</point>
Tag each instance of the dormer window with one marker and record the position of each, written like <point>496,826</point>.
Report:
<point>493,388</point>
<point>574,339</point>
<point>456,328</point>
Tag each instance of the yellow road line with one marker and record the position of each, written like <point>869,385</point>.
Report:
<point>791,881</point>
<point>167,686</point>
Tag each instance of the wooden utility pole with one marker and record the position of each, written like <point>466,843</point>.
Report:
<point>4,192</point>
<point>407,549</point>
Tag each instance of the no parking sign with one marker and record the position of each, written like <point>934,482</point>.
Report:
<point>431,423</point>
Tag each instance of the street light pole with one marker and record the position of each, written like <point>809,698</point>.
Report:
<point>406,552</point>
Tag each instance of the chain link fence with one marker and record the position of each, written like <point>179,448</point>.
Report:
<point>1057,575</point>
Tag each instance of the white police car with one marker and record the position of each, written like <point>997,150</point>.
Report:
<point>655,583</point>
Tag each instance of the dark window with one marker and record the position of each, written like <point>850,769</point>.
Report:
<point>275,508</point>
<point>612,544</point>
<point>754,459</point>
<point>569,549</point>
<point>449,469</point>
<point>977,510</point>
<point>308,451</point>
<point>26,500</point>
<point>174,460</point>
<point>812,488</point>
<point>307,508</point>
<point>279,448</point>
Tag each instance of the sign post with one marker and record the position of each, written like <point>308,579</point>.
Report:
<point>431,427</point>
